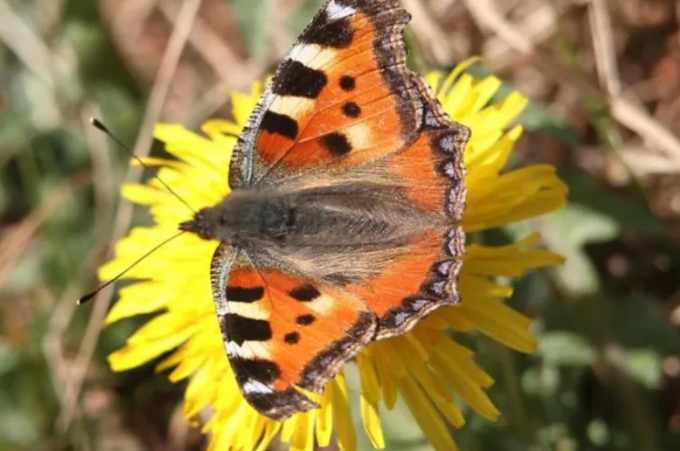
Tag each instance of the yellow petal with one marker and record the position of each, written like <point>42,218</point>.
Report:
<point>447,84</point>
<point>512,260</point>
<point>500,322</point>
<point>324,420</point>
<point>343,424</point>
<point>427,416</point>
<point>136,354</point>
<point>371,420</point>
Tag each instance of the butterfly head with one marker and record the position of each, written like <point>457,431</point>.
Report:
<point>244,218</point>
<point>206,223</point>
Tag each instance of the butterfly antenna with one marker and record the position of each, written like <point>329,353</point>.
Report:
<point>90,296</point>
<point>98,125</point>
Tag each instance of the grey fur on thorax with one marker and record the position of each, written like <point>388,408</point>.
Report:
<point>337,233</point>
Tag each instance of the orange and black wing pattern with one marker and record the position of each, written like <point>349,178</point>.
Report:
<point>342,95</point>
<point>423,275</point>
<point>281,331</point>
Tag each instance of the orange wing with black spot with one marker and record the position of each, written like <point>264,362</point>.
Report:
<point>342,96</point>
<point>422,275</point>
<point>282,331</point>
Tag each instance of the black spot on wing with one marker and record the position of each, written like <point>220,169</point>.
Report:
<point>336,34</point>
<point>291,338</point>
<point>298,80</point>
<point>279,124</point>
<point>347,83</point>
<point>305,320</point>
<point>351,109</point>
<point>240,329</point>
<point>264,371</point>
<point>336,143</point>
<point>242,294</point>
<point>305,293</point>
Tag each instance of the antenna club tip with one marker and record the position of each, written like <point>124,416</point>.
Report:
<point>98,124</point>
<point>85,298</point>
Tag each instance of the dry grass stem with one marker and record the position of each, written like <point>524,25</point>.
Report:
<point>603,43</point>
<point>178,40</point>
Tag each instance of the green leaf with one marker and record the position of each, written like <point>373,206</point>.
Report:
<point>566,232</point>
<point>565,348</point>
<point>645,366</point>
<point>253,21</point>
<point>598,432</point>
<point>302,15</point>
<point>627,213</point>
<point>9,359</point>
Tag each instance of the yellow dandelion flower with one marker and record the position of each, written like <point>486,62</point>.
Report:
<point>426,367</point>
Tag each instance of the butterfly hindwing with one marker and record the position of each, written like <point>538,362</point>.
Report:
<point>431,169</point>
<point>343,95</point>
<point>424,275</point>
<point>282,331</point>
<point>418,280</point>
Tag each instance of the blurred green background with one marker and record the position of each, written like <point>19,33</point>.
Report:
<point>604,80</point>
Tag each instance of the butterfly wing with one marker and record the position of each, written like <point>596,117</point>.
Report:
<point>282,331</point>
<point>342,108</point>
<point>423,275</point>
<point>341,96</point>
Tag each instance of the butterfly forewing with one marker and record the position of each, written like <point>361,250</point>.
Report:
<point>342,94</point>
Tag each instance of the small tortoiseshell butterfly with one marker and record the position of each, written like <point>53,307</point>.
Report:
<point>343,223</point>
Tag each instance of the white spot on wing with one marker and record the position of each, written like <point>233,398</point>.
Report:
<point>400,318</point>
<point>450,169</point>
<point>336,11</point>
<point>359,136</point>
<point>322,304</point>
<point>253,386</point>
<point>247,350</point>
<point>294,107</point>
<point>251,310</point>
<point>446,143</point>
<point>312,55</point>
<point>420,303</point>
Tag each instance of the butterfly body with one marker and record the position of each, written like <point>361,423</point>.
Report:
<point>318,227</point>
<point>343,222</point>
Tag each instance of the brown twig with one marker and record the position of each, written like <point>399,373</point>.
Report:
<point>634,117</point>
<point>219,55</point>
<point>101,168</point>
<point>176,44</point>
<point>17,239</point>
<point>621,108</point>
<point>433,38</point>
<point>487,14</point>
<point>52,343</point>
<point>27,46</point>
<point>603,44</point>
<point>131,17</point>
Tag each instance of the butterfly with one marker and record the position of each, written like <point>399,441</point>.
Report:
<point>343,224</point>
